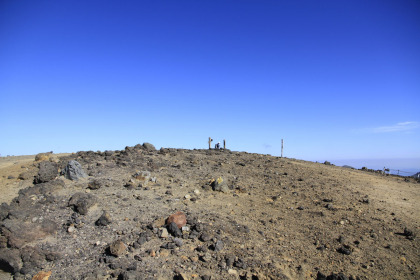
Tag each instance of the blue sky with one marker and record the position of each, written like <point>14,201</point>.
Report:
<point>334,79</point>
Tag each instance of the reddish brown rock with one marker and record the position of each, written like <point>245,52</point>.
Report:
<point>178,218</point>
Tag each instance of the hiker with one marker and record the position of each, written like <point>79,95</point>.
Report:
<point>217,146</point>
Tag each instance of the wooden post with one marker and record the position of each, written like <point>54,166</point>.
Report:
<point>281,147</point>
<point>210,143</point>
<point>224,144</point>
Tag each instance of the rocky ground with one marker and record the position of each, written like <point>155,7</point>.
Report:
<point>109,215</point>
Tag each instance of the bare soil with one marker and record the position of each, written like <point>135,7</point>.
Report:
<point>273,218</point>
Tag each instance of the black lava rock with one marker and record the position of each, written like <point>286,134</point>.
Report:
<point>344,251</point>
<point>149,147</point>
<point>174,230</point>
<point>48,171</point>
<point>81,202</point>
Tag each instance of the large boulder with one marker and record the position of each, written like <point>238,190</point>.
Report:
<point>48,171</point>
<point>74,171</point>
<point>149,147</point>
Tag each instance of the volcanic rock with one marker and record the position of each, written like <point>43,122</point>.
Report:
<point>117,248</point>
<point>95,184</point>
<point>43,156</point>
<point>205,236</point>
<point>219,245</point>
<point>179,218</point>
<point>104,220</point>
<point>48,171</point>
<point>410,234</point>
<point>149,146</point>
<point>10,260</point>
<point>18,234</point>
<point>344,250</point>
<point>4,211</point>
<point>178,242</point>
<point>81,202</point>
<point>74,171</point>
<point>174,230</point>
<point>220,185</point>
<point>27,175</point>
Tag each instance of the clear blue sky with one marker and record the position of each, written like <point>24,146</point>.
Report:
<point>334,79</point>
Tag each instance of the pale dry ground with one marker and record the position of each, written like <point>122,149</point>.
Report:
<point>9,188</point>
<point>13,166</point>
<point>400,197</point>
<point>403,198</point>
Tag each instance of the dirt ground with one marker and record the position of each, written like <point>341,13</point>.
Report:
<point>14,166</point>
<point>269,218</point>
<point>9,187</point>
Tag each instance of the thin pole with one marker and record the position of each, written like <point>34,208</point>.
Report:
<point>281,147</point>
<point>224,144</point>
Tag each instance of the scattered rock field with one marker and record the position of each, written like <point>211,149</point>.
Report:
<point>142,213</point>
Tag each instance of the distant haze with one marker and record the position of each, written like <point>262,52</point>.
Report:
<point>409,165</point>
